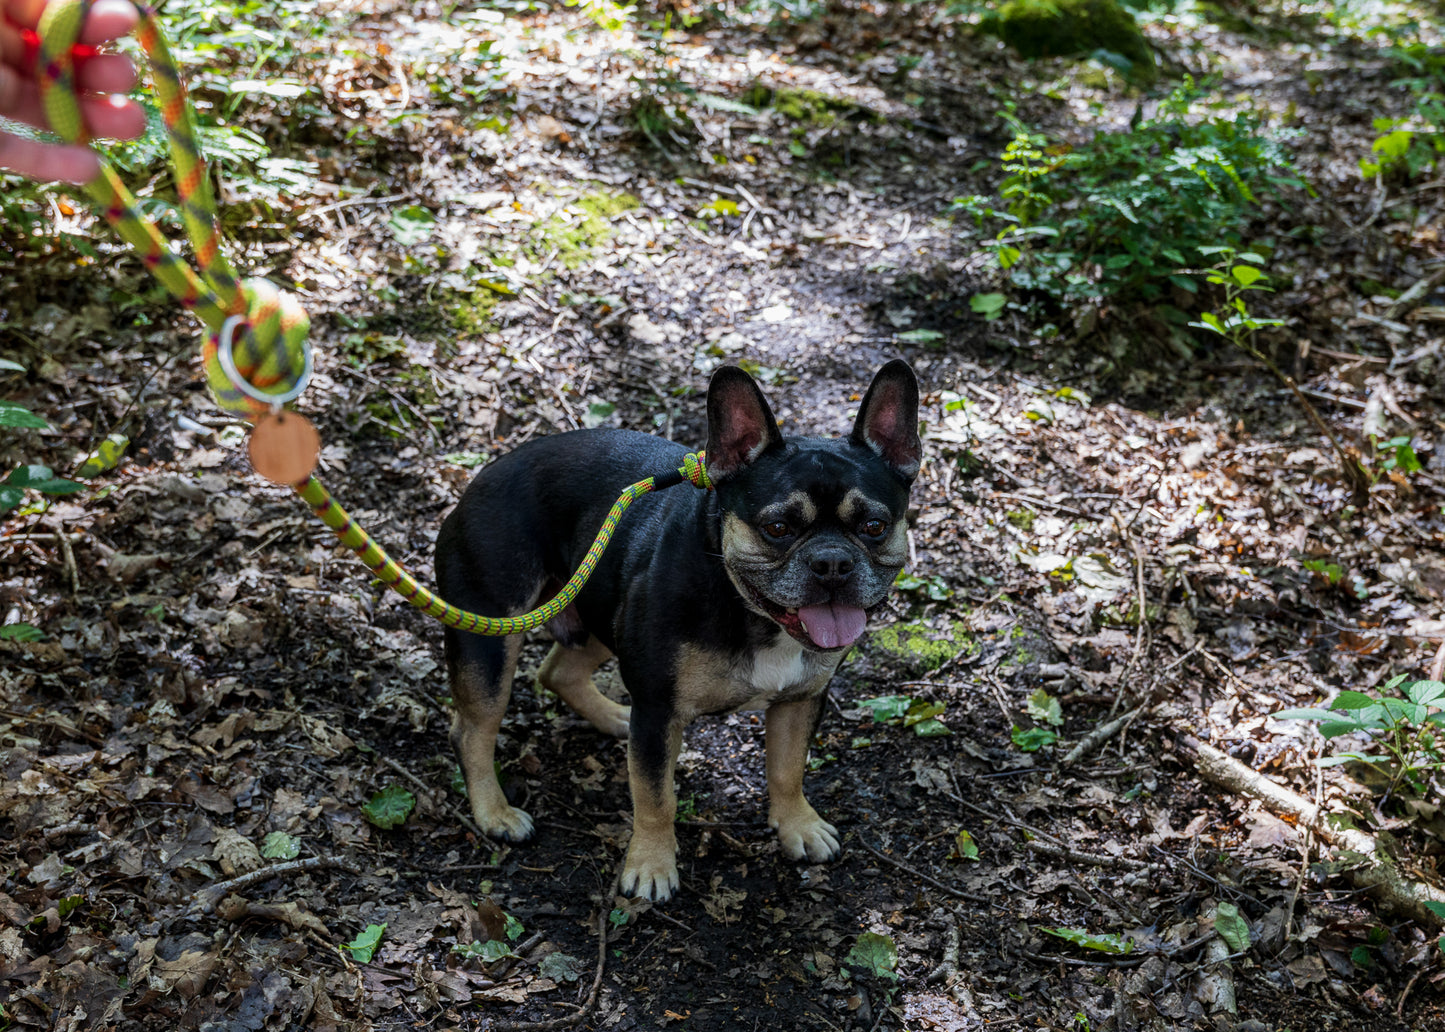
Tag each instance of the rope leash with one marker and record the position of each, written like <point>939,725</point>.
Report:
<point>256,354</point>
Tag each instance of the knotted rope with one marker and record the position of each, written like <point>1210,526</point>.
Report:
<point>256,354</point>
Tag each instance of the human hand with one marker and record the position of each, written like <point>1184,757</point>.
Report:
<point>102,78</point>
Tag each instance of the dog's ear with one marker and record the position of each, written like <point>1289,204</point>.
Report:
<point>740,426</point>
<point>888,419</point>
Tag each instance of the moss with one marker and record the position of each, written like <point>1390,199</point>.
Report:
<point>1023,519</point>
<point>577,234</point>
<point>473,315</point>
<point>810,107</point>
<point>920,648</point>
<point>1069,28</point>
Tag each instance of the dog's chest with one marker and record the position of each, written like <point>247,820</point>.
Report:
<point>712,682</point>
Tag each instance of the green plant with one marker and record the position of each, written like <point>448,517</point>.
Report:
<point>1408,147</point>
<point>1404,726</point>
<point>1237,274</point>
<point>1129,214</point>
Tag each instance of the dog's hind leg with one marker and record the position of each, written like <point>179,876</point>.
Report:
<point>481,672</point>
<point>568,670</point>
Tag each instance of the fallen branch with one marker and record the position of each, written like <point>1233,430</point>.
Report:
<point>1101,734</point>
<point>1416,294</point>
<point>1078,857</point>
<point>207,898</point>
<point>1380,875</point>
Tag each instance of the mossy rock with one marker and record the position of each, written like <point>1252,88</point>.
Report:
<point>920,648</point>
<point>807,107</point>
<point>1070,28</point>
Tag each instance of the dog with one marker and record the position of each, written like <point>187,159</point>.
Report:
<point>743,597</point>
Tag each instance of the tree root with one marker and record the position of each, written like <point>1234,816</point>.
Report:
<point>1379,874</point>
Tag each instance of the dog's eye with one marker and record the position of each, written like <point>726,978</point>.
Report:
<point>776,530</point>
<point>873,528</point>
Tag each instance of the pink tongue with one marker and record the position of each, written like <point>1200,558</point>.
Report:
<point>832,626</point>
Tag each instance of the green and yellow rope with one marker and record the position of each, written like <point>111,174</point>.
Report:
<point>391,573</point>
<point>271,349</point>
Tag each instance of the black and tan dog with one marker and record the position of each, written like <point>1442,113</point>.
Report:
<point>746,597</point>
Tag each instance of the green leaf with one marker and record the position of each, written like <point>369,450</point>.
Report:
<point>875,954</point>
<point>887,707</point>
<point>106,456</point>
<point>9,366</point>
<point>411,225</point>
<point>389,807</point>
<point>1232,928</point>
<point>920,336</point>
<point>363,947</point>
<point>720,206</point>
<point>21,632</point>
<point>716,103</point>
<point>1304,713</point>
<point>598,412</point>
<point>990,306</point>
<point>16,415</point>
<point>10,497</point>
<point>39,478</point>
<point>1033,739</point>
<point>931,728</point>
<point>280,846</point>
<point>1438,909</point>
<point>964,846</point>
<point>488,952</point>
<point>1246,276</point>
<point>513,928</point>
<point>1040,705</point>
<point>1424,692</point>
<point>561,967</point>
<point>66,905</point>
<point>1348,700</point>
<point>1107,942</point>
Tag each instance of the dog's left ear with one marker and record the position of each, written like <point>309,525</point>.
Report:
<point>888,419</point>
<point>740,426</point>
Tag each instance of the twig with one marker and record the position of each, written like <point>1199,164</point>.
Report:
<point>1141,629</point>
<point>589,1004</point>
<point>1101,734</point>
<point>1416,294</point>
<point>1400,1007</point>
<point>1119,962</point>
<point>1438,667</point>
<point>206,899</point>
<point>1076,856</point>
<point>957,894</point>
<point>68,554</point>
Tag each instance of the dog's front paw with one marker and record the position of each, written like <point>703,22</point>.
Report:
<point>806,835</point>
<point>649,872</point>
<point>507,823</point>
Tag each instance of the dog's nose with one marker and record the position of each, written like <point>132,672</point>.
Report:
<point>831,567</point>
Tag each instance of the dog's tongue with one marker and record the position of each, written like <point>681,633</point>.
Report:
<point>831,625</point>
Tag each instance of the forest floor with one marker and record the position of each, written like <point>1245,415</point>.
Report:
<point>491,250</point>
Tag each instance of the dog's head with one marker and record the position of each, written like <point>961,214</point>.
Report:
<point>813,530</point>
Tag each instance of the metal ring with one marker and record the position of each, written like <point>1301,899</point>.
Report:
<point>228,366</point>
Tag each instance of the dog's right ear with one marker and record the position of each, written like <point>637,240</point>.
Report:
<point>740,426</point>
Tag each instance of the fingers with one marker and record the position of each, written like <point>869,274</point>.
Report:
<point>107,117</point>
<point>109,19</point>
<point>106,73</point>
<point>48,161</point>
